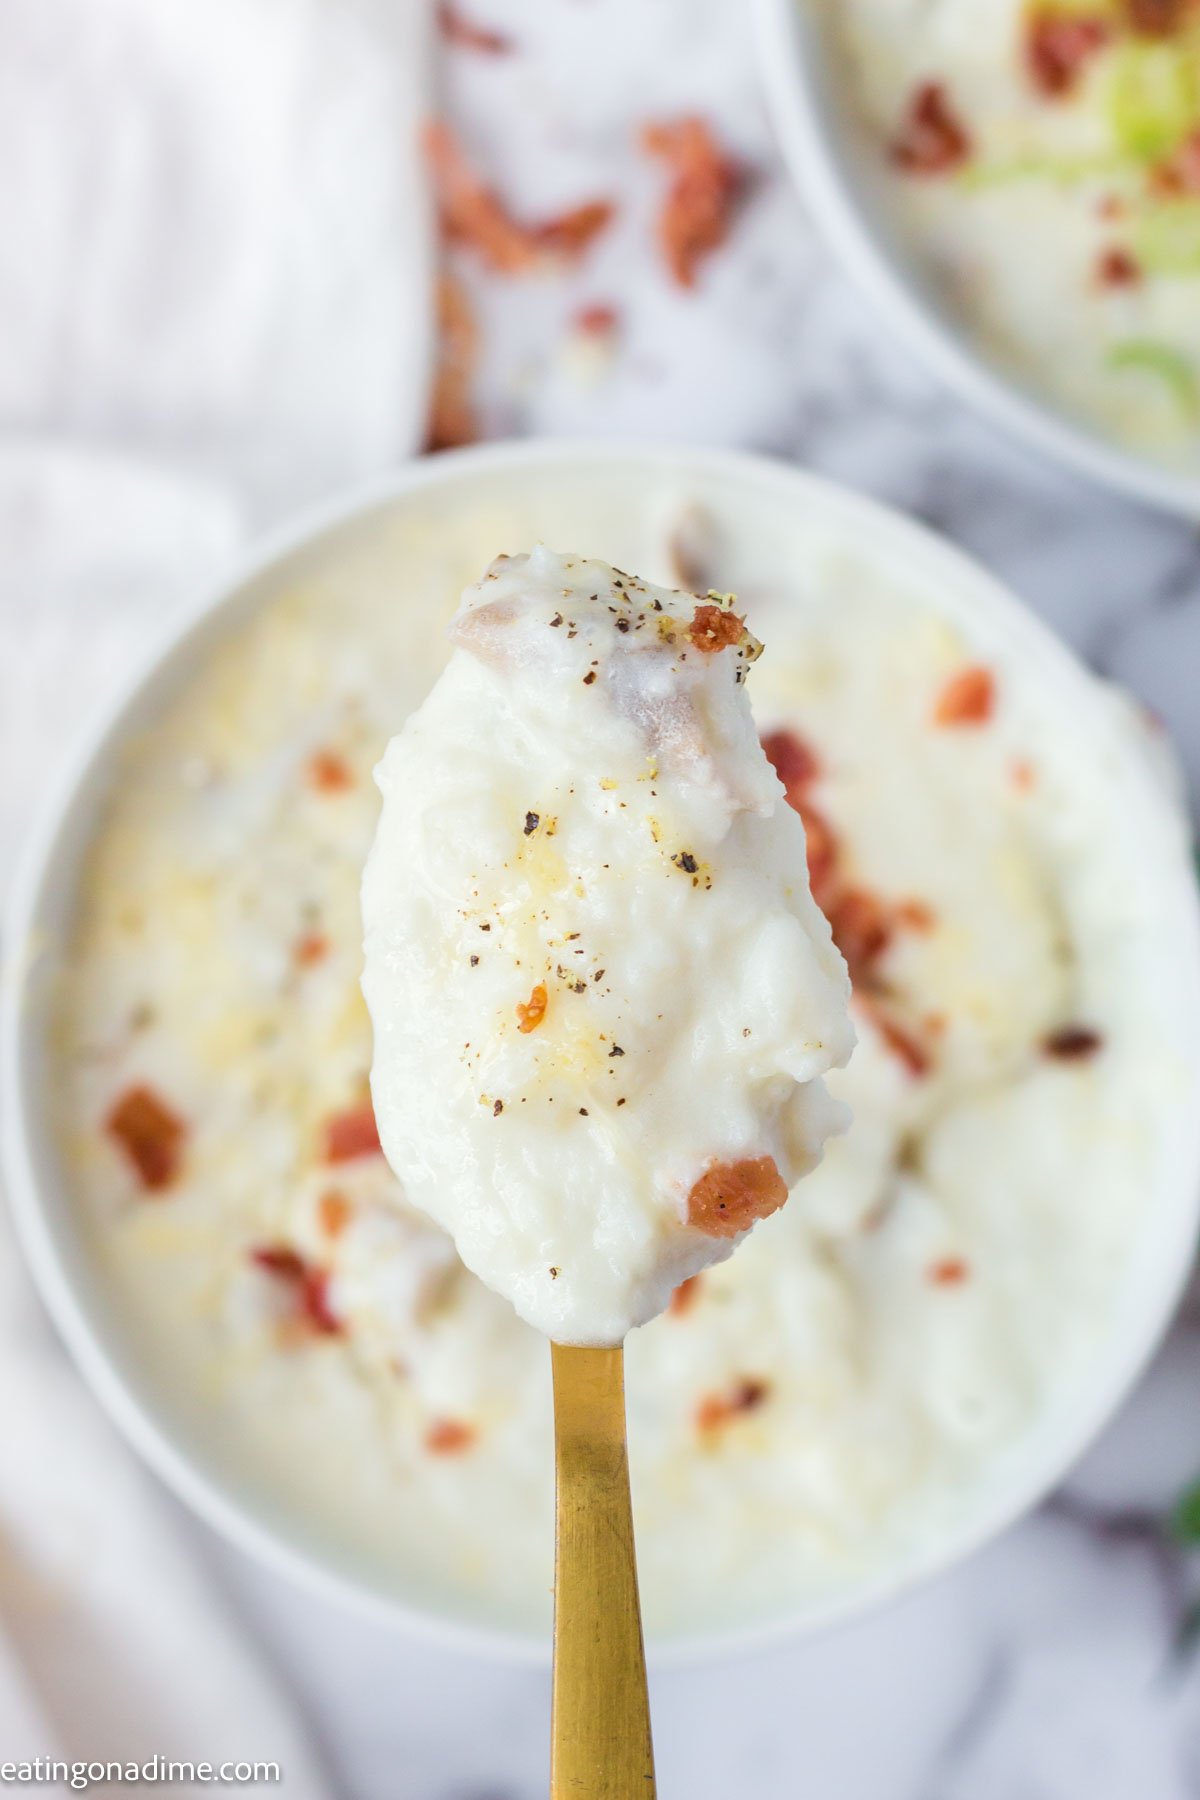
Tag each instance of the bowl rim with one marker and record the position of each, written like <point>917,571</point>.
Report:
<point>797,87</point>
<point>147,1425</point>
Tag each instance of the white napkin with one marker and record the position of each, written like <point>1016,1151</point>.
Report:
<point>214,305</point>
<point>214,233</point>
<point>112,1646</point>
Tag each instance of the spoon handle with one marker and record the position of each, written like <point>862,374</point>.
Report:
<point>600,1734</point>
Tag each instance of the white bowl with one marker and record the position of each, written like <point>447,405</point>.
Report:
<point>625,481</point>
<point>837,169</point>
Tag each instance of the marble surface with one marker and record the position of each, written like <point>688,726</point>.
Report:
<point>1046,1668</point>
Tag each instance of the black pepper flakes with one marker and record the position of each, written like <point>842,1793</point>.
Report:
<point>616,1050</point>
<point>686,862</point>
<point>557,619</point>
<point>532,821</point>
<point>474,962</point>
<point>589,678</point>
<point>497,1109</point>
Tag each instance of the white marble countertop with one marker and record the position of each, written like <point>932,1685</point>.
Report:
<point>1044,1669</point>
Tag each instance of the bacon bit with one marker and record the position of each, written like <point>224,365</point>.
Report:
<point>745,1396</point>
<point>951,1271</point>
<point>452,420</point>
<point>449,1437</point>
<point>351,1134</point>
<point>150,1134</point>
<point>309,1285</point>
<point>597,320</point>
<point>822,851</point>
<point>1180,173</point>
<point>566,237</point>
<point>531,1012</point>
<point>713,629</point>
<point>1155,18</point>
<point>968,698</point>
<point>328,772</point>
<point>1058,49</point>
<point>465,35</point>
<point>913,1055</point>
<point>916,915</point>
<point>1072,1043</point>
<point>862,926</point>
<point>793,760</point>
<point>729,1197</point>
<point>685,1297</point>
<point>333,1212</point>
<point>312,948</point>
<point>473,214</point>
<point>1116,268</point>
<point>932,139</point>
<point>706,188</point>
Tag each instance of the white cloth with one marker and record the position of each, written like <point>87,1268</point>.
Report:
<point>112,1645</point>
<point>214,306</point>
<point>214,234</point>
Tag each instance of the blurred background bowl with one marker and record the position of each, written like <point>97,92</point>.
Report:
<point>841,175</point>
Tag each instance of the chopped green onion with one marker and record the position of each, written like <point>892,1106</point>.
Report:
<point>1034,165</point>
<point>1154,96</point>
<point>1166,238</point>
<point>1171,367</point>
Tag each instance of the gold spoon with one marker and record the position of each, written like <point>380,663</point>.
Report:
<point>600,1729</point>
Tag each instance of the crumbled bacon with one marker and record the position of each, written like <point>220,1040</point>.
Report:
<point>328,772</point>
<point>932,139</point>
<point>1179,174</point>
<point>351,1134</point>
<point>822,852</point>
<point>714,628</point>
<point>465,35</point>
<point>862,926</point>
<point>1116,268</point>
<point>333,1212</point>
<point>531,1012</point>
<point>968,698</point>
<point>452,420</point>
<point>744,1396</point>
<point>793,760</point>
<point>729,1197</point>
<point>900,1042</point>
<point>308,1285</point>
<point>950,1271</point>
<point>706,187</point>
<point>1072,1043</point>
<point>473,214</point>
<point>150,1133</point>
<point>684,1297</point>
<point>449,1437</point>
<point>311,947</point>
<point>597,320</point>
<point>1155,18</point>
<point>1058,49</point>
<point>917,915</point>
